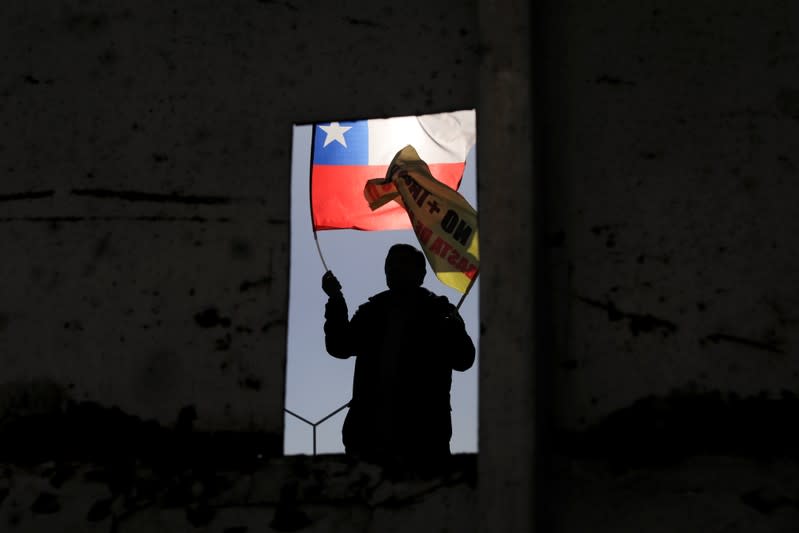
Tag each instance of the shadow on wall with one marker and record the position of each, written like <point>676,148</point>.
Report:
<point>40,422</point>
<point>661,430</point>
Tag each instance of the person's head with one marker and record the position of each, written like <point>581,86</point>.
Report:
<point>405,267</point>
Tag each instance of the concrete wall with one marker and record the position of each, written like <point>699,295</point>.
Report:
<point>668,299</point>
<point>325,494</point>
<point>507,197</point>
<point>649,154</point>
<point>144,200</point>
<point>669,138</point>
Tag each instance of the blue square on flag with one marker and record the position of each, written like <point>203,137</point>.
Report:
<point>341,143</point>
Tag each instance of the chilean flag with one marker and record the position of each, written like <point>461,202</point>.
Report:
<point>348,154</point>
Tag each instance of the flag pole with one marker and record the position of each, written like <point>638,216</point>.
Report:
<point>469,288</point>
<point>310,197</point>
<point>316,240</point>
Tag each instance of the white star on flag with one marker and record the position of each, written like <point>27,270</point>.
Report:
<point>335,132</point>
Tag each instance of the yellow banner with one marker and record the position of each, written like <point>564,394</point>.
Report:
<point>444,222</point>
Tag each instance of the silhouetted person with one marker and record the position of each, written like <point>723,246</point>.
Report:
<point>407,341</point>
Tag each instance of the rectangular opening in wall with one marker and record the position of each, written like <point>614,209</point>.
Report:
<point>346,154</point>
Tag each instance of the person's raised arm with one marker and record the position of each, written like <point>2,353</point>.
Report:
<point>461,348</point>
<point>338,341</point>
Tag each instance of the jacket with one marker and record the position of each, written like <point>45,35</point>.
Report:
<point>406,346</point>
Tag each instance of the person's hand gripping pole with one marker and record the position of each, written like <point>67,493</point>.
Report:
<point>330,284</point>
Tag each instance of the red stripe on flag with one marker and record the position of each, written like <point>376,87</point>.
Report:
<point>337,200</point>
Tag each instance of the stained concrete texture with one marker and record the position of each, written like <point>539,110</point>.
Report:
<point>326,493</point>
<point>144,199</point>
<point>702,493</point>
<point>668,153</point>
<point>330,493</point>
<point>145,219</point>
<point>87,431</point>
<point>664,430</point>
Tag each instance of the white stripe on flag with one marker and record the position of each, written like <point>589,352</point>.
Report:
<point>438,138</point>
